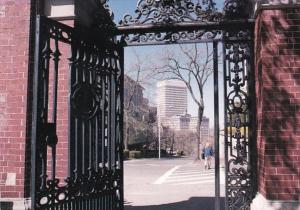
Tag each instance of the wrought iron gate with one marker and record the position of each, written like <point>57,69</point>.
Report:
<point>95,171</point>
<point>95,144</point>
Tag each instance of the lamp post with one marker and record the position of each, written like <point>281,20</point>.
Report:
<point>159,127</point>
<point>158,121</point>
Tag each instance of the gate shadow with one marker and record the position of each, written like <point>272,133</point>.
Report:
<point>6,205</point>
<point>194,203</point>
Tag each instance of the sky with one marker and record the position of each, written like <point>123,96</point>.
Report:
<point>121,7</point>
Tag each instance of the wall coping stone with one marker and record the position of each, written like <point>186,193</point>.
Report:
<point>14,204</point>
<point>60,9</point>
<point>261,203</point>
<point>274,4</point>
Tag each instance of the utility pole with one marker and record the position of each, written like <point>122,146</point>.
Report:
<point>159,155</point>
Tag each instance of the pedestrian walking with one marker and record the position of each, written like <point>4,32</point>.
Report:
<point>207,153</point>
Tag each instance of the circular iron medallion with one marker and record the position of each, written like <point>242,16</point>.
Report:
<point>84,101</point>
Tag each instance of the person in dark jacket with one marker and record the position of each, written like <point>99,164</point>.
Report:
<point>207,153</point>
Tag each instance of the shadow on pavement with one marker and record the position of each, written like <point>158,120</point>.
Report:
<point>194,203</point>
<point>6,205</point>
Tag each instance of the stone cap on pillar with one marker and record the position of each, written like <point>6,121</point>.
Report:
<point>60,9</point>
<point>275,4</point>
<point>278,2</point>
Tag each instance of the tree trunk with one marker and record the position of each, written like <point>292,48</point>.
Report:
<point>126,122</point>
<point>200,115</point>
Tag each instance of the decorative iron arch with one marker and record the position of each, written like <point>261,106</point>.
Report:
<point>172,11</point>
<point>181,21</point>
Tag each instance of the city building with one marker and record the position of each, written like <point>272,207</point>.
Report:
<point>134,98</point>
<point>172,108</point>
<point>193,124</point>
<point>180,122</point>
<point>138,115</point>
<point>204,128</point>
<point>171,99</point>
<point>133,92</point>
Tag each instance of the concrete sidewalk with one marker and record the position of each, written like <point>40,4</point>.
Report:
<point>194,203</point>
<point>169,184</point>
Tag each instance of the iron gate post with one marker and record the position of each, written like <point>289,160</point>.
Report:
<point>237,125</point>
<point>216,126</point>
<point>34,112</point>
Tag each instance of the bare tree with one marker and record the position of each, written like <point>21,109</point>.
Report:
<point>135,77</point>
<point>168,136</point>
<point>185,142</point>
<point>128,102</point>
<point>191,65</point>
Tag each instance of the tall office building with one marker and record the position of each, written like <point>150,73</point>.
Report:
<point>180,122</point>
<point>171,99</point>
<point>204,128</point>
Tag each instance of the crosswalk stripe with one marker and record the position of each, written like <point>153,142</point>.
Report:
<point>194,183</point>
<point>188,179</point>
<point>190,171</point>
<point>181,175</point>
<point>166,175</point>
<point>194,174</point>
<point>198,172</point>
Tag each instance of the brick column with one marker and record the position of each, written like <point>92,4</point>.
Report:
<point>14,51</point>
<point>277,63</point>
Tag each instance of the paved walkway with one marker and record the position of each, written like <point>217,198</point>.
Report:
<point>167,184</point>
<point>203,203</point>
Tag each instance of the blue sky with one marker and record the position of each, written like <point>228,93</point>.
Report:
<point>121,7</point>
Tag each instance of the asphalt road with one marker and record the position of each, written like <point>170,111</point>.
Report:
<point>177,184</point>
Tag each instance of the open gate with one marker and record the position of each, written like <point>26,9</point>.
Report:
<point>95,171</point>
<point>95,144</point>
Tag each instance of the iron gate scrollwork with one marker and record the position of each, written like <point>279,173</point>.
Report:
<point>237,85</point>
<point>170,21</point>
<point>95,171</point>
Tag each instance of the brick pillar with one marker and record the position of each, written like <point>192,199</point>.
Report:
<point>14,51</point>
<point>277,63</point>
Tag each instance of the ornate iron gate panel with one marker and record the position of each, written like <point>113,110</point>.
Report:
<point>237,50</point>
<point>95,170</point>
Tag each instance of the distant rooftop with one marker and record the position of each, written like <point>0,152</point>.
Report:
<point>171,82</point>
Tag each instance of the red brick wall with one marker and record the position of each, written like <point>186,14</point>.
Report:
<point>14,77</point>
<point>277,51</point>
<point>14,45</point>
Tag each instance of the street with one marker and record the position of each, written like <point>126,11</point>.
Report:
<point>177,184</point>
